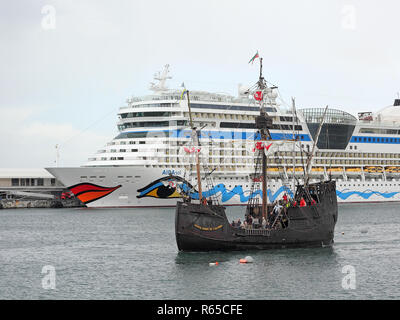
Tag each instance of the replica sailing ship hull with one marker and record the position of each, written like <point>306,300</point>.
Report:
<point>200,227</point>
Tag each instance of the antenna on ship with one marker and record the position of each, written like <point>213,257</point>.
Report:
<point>161,77</point>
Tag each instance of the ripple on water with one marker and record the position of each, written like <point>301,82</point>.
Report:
<point>132,254</point>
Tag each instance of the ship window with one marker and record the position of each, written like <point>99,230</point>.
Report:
<point>125,135</point>
<point>146,124</point>
<point>14,182</point>
<point>53,182</point>
<point>145,114</point>
<point>288,119</point>
<point>229,107</point>
<point>237,125</point>
<point>40,181</point>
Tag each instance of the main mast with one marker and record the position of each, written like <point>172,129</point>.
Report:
<point>263,123</point>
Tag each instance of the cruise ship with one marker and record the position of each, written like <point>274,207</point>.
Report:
<point>134,169</point>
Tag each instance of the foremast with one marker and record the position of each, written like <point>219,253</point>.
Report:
<point>196,142</point>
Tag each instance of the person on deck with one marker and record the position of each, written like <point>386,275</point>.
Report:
<point>302,202</point>
<point>255,222</point>
<point>249,222</point>
<point>277,209</point>
<point>264,223</point>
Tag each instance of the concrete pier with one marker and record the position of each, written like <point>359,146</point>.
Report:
<point>33,188</point>
<point>39,203</point>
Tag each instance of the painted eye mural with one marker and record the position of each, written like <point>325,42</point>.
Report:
<point>165,188</point>
<point>89,192</point>
<point>174,187</point>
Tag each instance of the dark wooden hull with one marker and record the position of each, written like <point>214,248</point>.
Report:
<point>206,228</point>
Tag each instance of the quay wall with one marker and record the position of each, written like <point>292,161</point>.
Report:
<point>39,203</point>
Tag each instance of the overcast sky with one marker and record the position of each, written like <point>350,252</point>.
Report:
<point>67,66</point>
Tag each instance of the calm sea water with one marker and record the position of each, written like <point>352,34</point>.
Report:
<point>132,254</point>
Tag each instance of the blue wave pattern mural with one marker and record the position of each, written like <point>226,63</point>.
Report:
<point>364,194</point>
<point>244,196</point>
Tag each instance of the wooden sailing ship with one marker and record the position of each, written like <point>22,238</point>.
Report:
<point>306,220</point>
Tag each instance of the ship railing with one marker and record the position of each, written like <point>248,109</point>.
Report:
<point>256,232</point>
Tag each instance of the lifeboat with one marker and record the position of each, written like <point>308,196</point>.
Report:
<point>353,169</point>
<point>297,169</point>
<point>392,169</point>
<point>334,170</point>
<point>373,169</point>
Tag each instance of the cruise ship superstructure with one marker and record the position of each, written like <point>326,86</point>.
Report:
<point>133,170</point>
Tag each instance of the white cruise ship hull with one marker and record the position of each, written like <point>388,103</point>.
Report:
<point>138,186</point>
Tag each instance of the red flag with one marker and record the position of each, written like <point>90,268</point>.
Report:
<point>259,145</point>
<point>258,95</point>
<point>268,146</point>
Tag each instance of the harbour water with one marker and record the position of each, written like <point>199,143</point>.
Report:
<point>132,254</point>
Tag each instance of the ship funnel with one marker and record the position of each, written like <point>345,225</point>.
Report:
<point>396,102</point>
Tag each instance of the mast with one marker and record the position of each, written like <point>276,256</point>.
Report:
<point>195,139</point>
<point>264,132</point>
<point>294,145</point>
<point>309,160</point>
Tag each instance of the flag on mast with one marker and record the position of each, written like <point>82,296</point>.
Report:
<point>255,57</point>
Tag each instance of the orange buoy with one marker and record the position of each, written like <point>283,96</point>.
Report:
<point>242,261</point>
